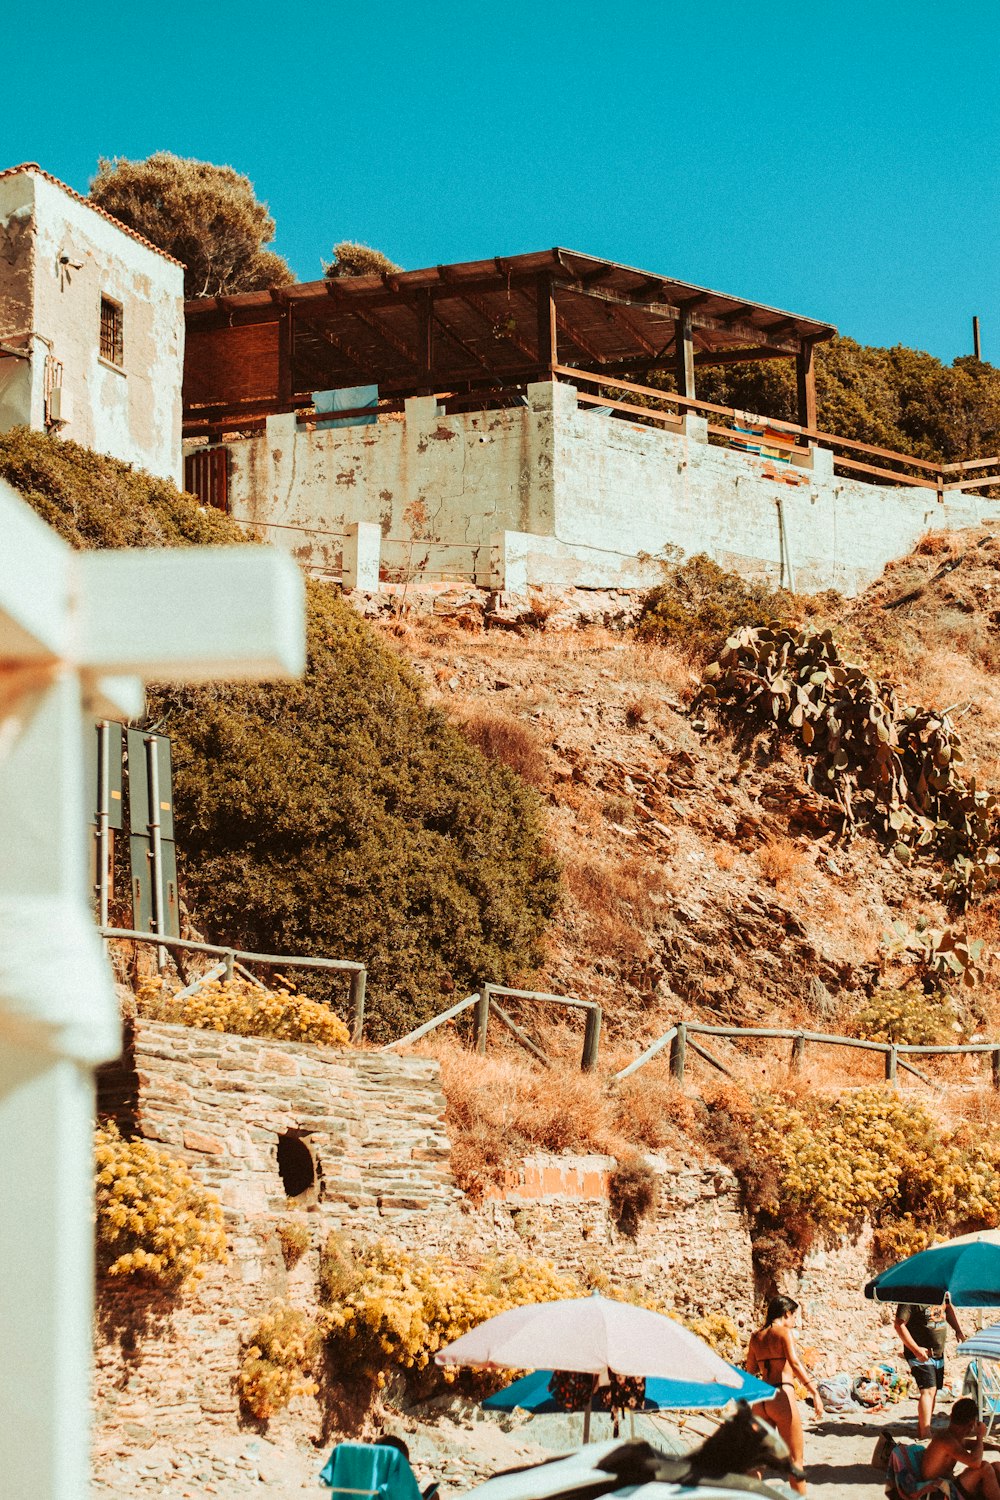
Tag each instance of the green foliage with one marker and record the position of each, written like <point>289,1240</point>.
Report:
<point>352,259</point>
<point>907,1016</point>
<point>93,501</point>
<point>895,768</point>
<point>343,816</point>
<point>206,216</point>
<point>943,956</point>
<point>896,398</point>
<point>276,1361</point>
<point>153,1218</point>
<point>340,815</point>
<point>814,1169</point>
<point>698,605</point>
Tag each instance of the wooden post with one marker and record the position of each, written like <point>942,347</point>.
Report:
<point>229,959</point>
<point>976,349</point>
<point>358,980</point>
<point>591,1038</point>
<point>286,336</point>
<point>798,1051</point>
<point>678,1052</point>
<point>995,1059</point>
<point>805,372</point>
<point>684,355</point>
<point>548,351</point>
<point>891,1058</point>
<point>425,320</point>
<point>482,1017</point>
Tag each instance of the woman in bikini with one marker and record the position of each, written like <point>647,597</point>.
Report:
<point>773,1356</point>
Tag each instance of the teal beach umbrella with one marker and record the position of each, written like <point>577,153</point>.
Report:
<point>965,1270</point>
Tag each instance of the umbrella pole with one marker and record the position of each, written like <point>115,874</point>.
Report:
<point>586,1419</point>
<point>979,1387</point>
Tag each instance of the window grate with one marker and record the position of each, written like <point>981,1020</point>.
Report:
<point>112,332</point>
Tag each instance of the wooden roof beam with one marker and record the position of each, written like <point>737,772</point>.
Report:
<point>741,356</point>
<point>393,340</point>
<point>512,335</point>
<point>343,348</point>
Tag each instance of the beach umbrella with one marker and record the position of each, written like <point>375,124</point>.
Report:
<point>591,1335</point>
<point>531,1393</point>
<point>966,1270</point>
<point>594,1335</point>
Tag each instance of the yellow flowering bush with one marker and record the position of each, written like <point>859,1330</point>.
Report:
<point>277,1361</point>
<point>242,1008</point>
<point>153,1217</point>
<point>908,1016</point>
<point>820,1168</point>
<point>385,1307</point>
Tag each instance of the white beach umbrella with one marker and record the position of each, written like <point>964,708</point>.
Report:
<point>594,1335</point>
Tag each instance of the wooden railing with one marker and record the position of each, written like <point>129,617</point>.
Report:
<point>681,1036</point>
<point>790,442</point>
<point>486,1004</point>
<point>236,958</point>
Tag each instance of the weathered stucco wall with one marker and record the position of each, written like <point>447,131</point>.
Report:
<point>61,257</point>
<point>554,493</point>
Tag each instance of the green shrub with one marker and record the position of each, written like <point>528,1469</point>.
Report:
<point>337,816</point>
<point>699,605</point>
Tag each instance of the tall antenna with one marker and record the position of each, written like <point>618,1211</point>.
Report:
<point>976,351</point>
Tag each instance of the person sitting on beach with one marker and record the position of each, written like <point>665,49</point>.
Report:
<point>773,1356</point>
<point>962,1443</point>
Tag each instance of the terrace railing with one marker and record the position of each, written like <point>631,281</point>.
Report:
<point>788,442</point>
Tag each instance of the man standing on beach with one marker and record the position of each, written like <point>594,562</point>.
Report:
<point>924,1333</point>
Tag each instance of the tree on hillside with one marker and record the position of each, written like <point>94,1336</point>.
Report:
<point>352,259</point>
<point>896,398</point>
<point>207,216</point>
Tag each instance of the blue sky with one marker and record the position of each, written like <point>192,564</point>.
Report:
<point>839,161</point>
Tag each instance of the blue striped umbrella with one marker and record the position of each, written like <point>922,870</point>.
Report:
<point>983,1345</point>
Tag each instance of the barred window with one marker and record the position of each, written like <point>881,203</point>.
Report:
<point>112,332</point>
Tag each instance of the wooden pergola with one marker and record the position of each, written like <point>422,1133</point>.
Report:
<point>488,325</point>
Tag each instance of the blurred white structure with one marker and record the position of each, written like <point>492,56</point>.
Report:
<point>79,634</point>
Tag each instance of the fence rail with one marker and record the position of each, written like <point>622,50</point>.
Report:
<point>789,441</point>
<point>680,1036</point>
<point>486,1004</point>
<point>233,957</point>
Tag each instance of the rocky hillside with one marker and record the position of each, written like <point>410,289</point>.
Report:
<point>705,879</point>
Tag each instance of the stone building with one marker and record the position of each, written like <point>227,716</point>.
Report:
<point>91,326</point>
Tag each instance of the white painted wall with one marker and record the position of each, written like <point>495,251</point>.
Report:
<point>556,493</point>
<point>132,413</point>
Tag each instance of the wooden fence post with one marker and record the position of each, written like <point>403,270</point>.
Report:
<point>229,957</point>
<point>890,1064</point>
<point>482,1017</point>
<point>358,979</point>
<point>678,1052</point>
<point>591,1038</point>
<point>995,1058</point>
<point>798,1051</point>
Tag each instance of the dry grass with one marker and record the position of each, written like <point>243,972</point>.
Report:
<point>503,737</point>
<point>652,1109</point>
<point>724,858</point>
<point>617,900</point>
<point>782,863</point>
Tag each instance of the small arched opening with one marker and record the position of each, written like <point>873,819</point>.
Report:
<point>296,1165</point>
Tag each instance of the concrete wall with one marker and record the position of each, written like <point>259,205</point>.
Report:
<point>553,493</point>
<point>63,256</point>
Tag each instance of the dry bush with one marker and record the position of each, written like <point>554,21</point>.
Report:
<point>724,859</point>
<point>294,1240</point>
<point>617,898</point>
<point>499,1109</point>
<point>653,1110</point>
<point>782,863</point>
<point>509,740</point>
<point>941,543</point>
<point>632,1193</point>
<point>637,711</point>
<point>618,808</point>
